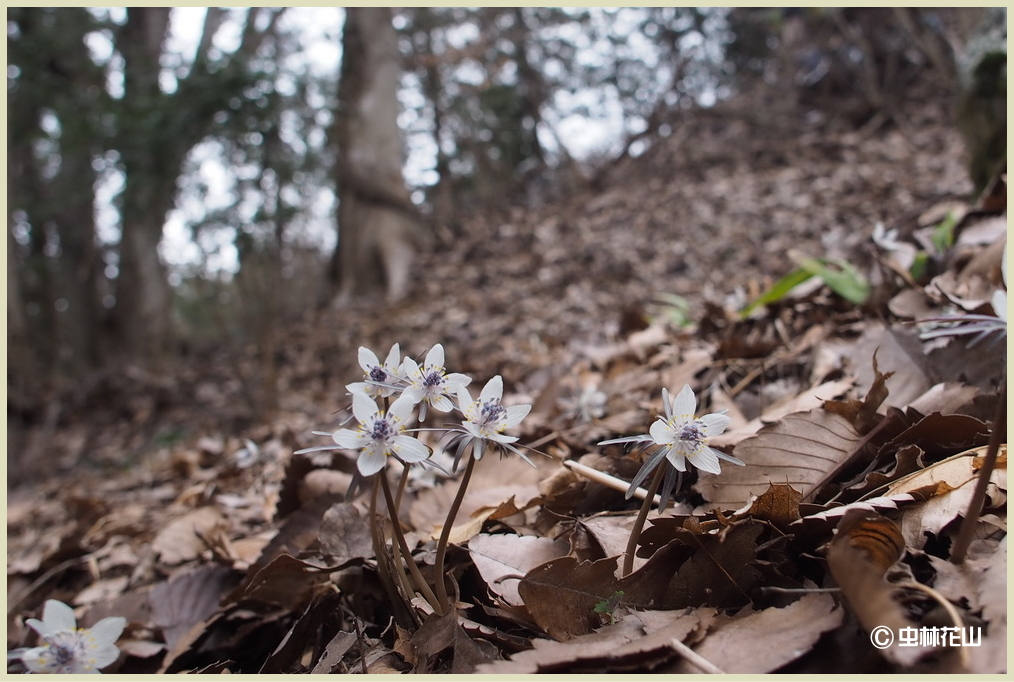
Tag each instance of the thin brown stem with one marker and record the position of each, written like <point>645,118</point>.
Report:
<point>635,532</point>
<point>401,486</point>
<point>401,612</point>
<point>399,536</point>
<point>968,524</point>
<point>445,534</point>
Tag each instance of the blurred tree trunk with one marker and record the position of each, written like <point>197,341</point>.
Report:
<point>377,227</point>
<point>143,294</point>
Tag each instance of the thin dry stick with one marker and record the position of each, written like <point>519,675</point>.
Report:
<point>445,534</point>
<point>971,519</point>
<point>400,538</point>
<point>635,532</point>
<point>948,607</point>
<point>695,659</point>
<point>608,481</point>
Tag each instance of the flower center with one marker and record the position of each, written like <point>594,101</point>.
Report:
<point>432,379</point>
<point>64,647</point>
<point>693,431</point>
<point>378,374</point>
<point>381,430</point>
<point>491,412</point>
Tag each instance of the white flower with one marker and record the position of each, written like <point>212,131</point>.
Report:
<point>69,649</point>
<point>379,434</point>
<point>429,385</point>
<point>486,419</point>
<point>376,373</point>
<point>680,438</point>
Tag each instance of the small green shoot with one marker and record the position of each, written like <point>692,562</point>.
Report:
<point>839,275</point>
<point>607,606</point>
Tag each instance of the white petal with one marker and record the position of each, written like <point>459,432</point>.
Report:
<point>367,359</point>
<point>666,404</point>
<point>706,460</point>
<point>105,656</point>
<point>362,387</point>
<point>455,379</point>
<point>347,438</point>
<point>435,358</point>
<point>58,616</point>
<point>492,389</point>
<point>677,460</point>
<point>371,461</point>
<point>515,413</point>
<point>441,402</point>
<point>465,402</point>
<point>40,659</point>
<point>402,407</point>
<point>715,423</point>
<point>410,449</point>
<point>410,370</point>
<point>501,438</point>
<point>684,404</point>
<point>415,394</point>
<point>107,631</point>
<point>364,407</point>
<point>661,432</point>
<point>393,357</point>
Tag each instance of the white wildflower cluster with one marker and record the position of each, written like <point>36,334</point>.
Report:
<point>384,431</point>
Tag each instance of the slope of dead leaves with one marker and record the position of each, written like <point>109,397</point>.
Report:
<point>863,444</point>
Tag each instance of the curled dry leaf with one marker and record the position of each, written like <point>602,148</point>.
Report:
<point>183,538</point>
<point>856,558</point>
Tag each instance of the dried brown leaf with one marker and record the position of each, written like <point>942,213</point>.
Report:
<point>178,604</point>
<point>345,534</point>
<point>183,538</point>
<point>503,559</point>
<point>801,451</point>
<point>764,641</point>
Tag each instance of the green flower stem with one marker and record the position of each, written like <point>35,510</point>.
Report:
<point>445,534</point>
<point>635,532</point>
<point>403,544</point>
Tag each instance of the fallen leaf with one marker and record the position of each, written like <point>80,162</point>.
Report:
<point>802,450</point>
<point>502,560</point>
<point>181,540</point>
<point>764,641</point>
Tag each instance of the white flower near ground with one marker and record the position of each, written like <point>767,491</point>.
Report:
<point>69,649</point>
<point>379,434</point>
<point>681,439</point>
<point>381,378</point>
<point>486,419</point>
<point>429,385</point>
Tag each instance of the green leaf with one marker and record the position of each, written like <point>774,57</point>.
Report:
<point>841,276</point>
<point>779,289</point>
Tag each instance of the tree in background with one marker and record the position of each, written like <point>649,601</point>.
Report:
<point>378,232</point>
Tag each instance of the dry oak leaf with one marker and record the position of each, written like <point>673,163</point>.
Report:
<point>502,560</point>
<point>183,538</point>
<point>802,450</point>
<point>764,641</point>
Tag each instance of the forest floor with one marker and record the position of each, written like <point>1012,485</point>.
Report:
<point>167,501</point>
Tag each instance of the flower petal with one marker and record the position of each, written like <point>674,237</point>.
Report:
<point>492,389</point>
<point>684,404</point>
<point>677,460</point>
<point>455,379</point>
<point>58,616</point>
<point>371,461</point>
<point>662,432</point>
<point>435,357</point>
<point>347,438</point>
<point>401,408</point>
<point>715,423</point>
<point>441,402</point>
<point>364,407</point>
<point>107,631</point>
<point>393,357</point>
<point>367,359</point>
<point>705,459</point>
<point>515,413</point>
<point>410,449</point>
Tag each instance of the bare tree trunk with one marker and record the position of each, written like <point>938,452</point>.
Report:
<point>377,234</point>
<point>143,292</point>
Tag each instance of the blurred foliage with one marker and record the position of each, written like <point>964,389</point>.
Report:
<point>95,149</point>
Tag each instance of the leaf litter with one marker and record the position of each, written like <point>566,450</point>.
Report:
<point>863,443</point>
